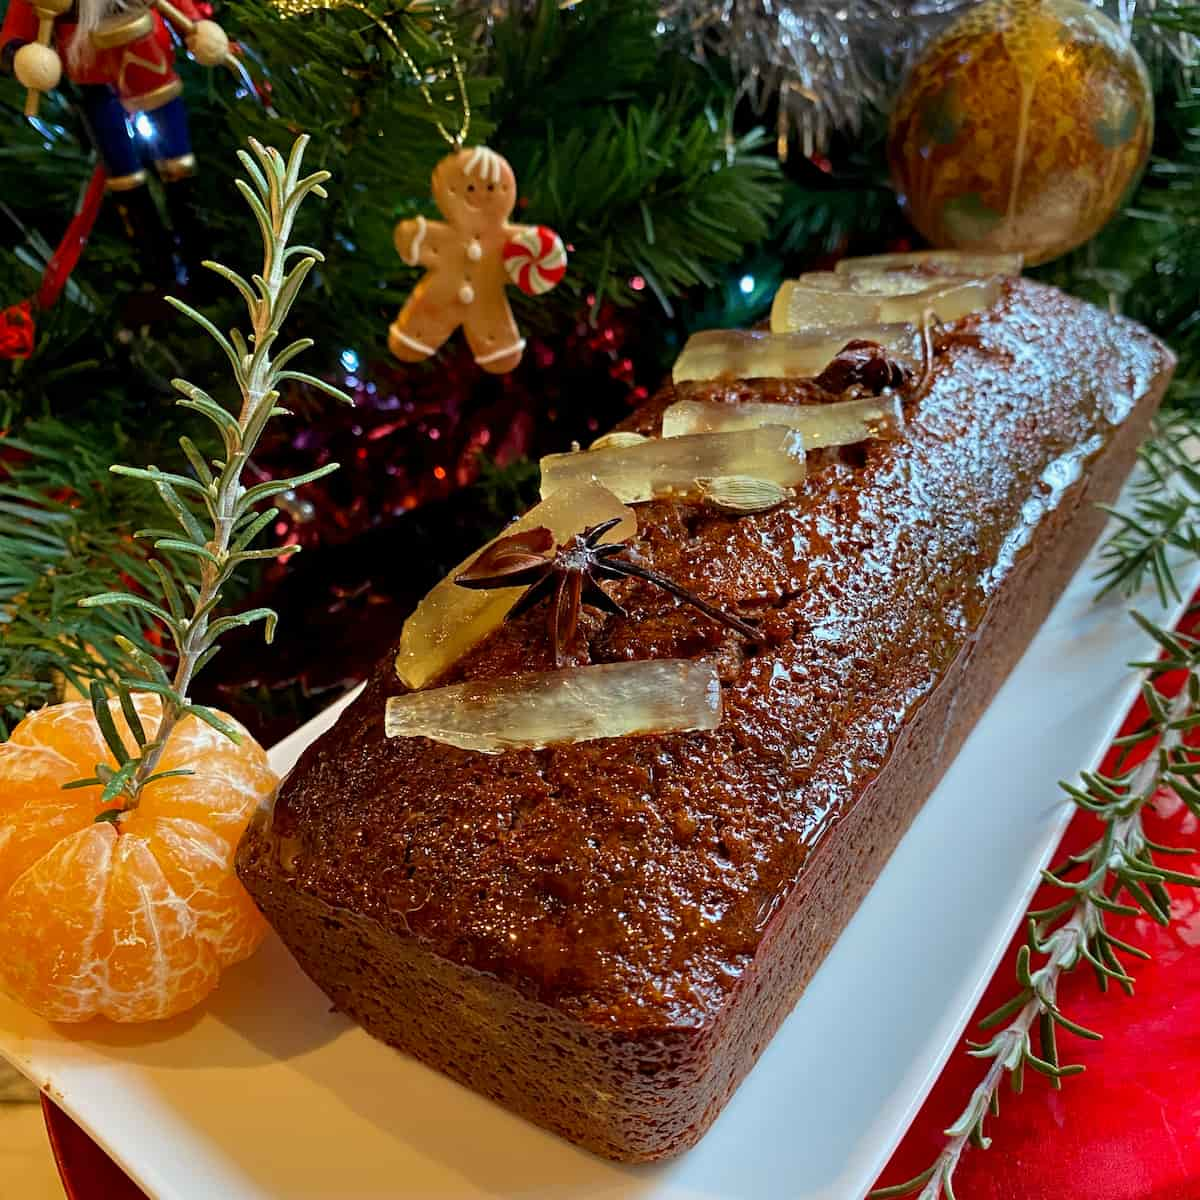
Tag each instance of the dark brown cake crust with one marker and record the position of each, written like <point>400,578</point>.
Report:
<point>602,937</point>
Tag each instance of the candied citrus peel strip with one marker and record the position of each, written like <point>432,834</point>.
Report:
<point>577,704</point>
<point>451,620</point>
<point>941,262</point>
<point>799,307</point>
<point>756,354</point>
<point>836,424</point>
<point>672,466</point>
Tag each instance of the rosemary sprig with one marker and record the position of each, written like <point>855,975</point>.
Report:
<point>218,518</point>
<point>1117,874</point>
<point>1162,516</point>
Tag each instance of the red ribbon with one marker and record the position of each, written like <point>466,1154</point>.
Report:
<point>63,260</point>
<point>17,327</point>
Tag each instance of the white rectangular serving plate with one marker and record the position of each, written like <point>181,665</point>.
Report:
<point>267,1095</point>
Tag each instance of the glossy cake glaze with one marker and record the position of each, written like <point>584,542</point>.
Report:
<point>603,936</point>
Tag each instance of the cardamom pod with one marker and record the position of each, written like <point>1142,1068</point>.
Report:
<point>741,494</point>
<point>618,438</point>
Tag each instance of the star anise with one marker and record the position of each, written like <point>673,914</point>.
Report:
<point>569,576</point>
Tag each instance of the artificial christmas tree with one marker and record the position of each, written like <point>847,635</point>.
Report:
<point>638,132</point>
<point>635,134</point>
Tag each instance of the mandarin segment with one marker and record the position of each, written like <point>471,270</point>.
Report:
<point>53,927</point>
<point>36,829</point>
<point>228,781</point>
<point>198,864</point>
<point>69,730</point>
<point>135,919</point>
<point>223,802</point>
<point>155,966</point>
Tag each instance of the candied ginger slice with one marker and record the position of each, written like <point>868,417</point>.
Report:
<point>755,354</point>
<point>798,308</point>
<point>547,708</point>
<point>942,262</point>
<point>672,466</point>
<point>820,425</point>
<point>452,620</point>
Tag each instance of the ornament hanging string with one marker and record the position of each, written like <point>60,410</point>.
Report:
<point>302,8</point>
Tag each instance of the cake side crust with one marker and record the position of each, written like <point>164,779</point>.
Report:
<point>456,905</point>
<point>649,1097</point>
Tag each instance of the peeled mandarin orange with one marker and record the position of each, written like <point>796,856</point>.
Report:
<point>134,919</point>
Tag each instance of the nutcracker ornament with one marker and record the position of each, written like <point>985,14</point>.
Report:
<point>120,57</point>
<point>468,260</point>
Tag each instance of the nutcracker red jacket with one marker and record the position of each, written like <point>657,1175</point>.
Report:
<point>21,26</point>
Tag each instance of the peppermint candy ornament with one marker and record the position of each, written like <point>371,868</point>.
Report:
<point>535,259</point>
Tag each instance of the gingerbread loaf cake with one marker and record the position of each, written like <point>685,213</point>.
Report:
<point>603,936</point>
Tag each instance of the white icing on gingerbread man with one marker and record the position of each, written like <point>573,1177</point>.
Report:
<point>465,275</point>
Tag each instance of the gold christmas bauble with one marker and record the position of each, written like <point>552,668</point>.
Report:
<point>1021,128</point>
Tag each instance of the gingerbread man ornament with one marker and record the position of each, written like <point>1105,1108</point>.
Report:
<point>468,259</point>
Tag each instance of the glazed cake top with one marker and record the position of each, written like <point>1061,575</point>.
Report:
<point>629,881</point>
